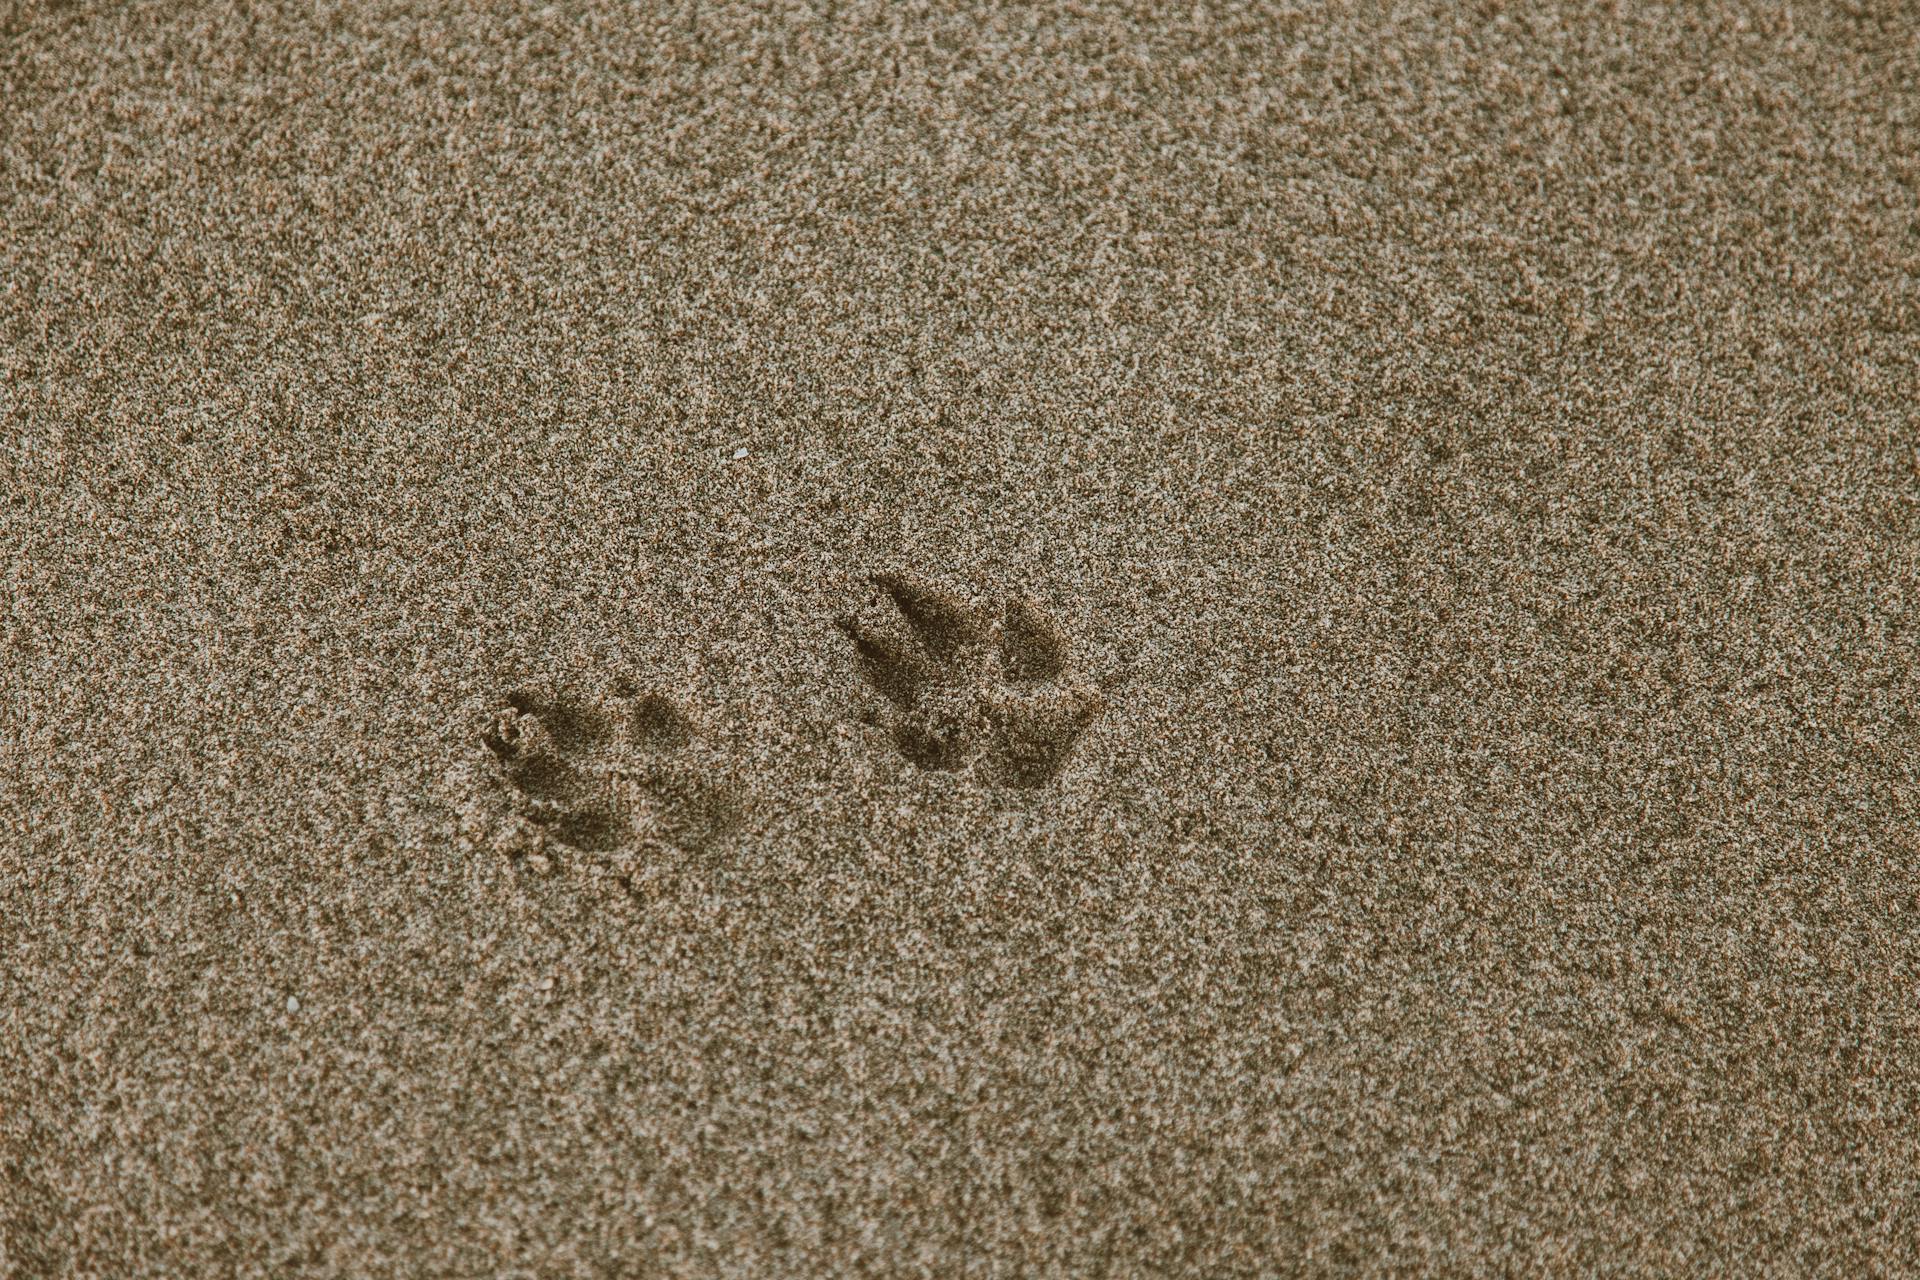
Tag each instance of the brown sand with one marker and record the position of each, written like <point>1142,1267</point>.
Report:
<point>1470,454</point>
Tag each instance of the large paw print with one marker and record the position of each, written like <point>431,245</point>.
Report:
<point>615,779</point>
<point>968,689</point>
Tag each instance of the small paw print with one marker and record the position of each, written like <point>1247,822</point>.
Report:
<point>970,688</point>
<point>621,779</point>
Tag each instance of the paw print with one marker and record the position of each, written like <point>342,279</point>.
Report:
<point>621,779</point>
<point>968,689</point>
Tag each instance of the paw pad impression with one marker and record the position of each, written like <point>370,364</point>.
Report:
<point>967,687</point>
<point>608,777</point>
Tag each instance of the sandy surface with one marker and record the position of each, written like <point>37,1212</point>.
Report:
<point>1382,740</point>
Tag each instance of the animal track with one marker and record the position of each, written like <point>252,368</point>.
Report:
<point>624,780</point>
<point>969,690</point>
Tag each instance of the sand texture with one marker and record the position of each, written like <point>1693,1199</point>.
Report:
<point>896,640</point>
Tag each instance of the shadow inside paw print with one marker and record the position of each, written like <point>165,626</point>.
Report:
<point>968,689</point>
<point>609,774</point>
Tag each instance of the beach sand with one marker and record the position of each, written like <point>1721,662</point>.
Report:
<point>915,640</point>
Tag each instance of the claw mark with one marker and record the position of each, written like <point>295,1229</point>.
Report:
<point>890,663</point>
<point>656,722</point>
<point>940,619</point>
<point>965,691</point>
<point>1032,646</point>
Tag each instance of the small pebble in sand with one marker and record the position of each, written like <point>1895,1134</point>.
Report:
<point>740,453</point>
<point>293,1004</point>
